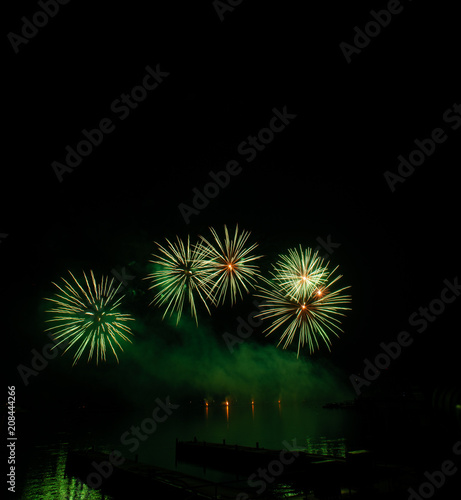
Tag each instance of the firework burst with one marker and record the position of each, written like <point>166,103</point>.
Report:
<point>310,311</point>
<point>232,270</point>
<point>182,273</point>
<point>89,316</point>
<point>299,272</point>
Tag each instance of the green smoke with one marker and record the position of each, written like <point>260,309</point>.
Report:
<point>189,360</point>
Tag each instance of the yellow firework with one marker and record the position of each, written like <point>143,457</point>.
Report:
<point>309,313</point>
<point>87,316</point>
<point>231,263</point>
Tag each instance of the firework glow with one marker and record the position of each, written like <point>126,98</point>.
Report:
<point>89,316</point>
<point>302,301</point>
<point>231,263</point>
<point>299,273</point>
<point>182,274</point>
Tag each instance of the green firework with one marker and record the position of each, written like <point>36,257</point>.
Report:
<point>182,275</point>
<point>299,272</point>
<point>301,300</point>
<point>87,315</point>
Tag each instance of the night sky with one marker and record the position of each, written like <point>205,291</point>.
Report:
<point>321,177</point>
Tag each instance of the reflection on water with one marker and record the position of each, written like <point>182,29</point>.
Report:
<point>313,430</point>
<point>47,480</point>
<point>323,446</point>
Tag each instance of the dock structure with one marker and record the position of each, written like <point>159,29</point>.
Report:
<point>323,474</point>
<point>246,459</point>
<point>132,478</point>
<point>357,475</point>
<point>309,476</point>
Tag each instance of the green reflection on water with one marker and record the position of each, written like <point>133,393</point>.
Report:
<point>47,480</point>
<point>323,446</point>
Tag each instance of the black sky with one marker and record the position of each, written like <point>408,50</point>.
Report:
<point>322,175</point>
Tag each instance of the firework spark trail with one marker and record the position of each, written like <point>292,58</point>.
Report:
<point>299,272</point>
<point>182,273</point>
<point>89,315</point>
<point>230,260</point>
<point>310,312</point>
